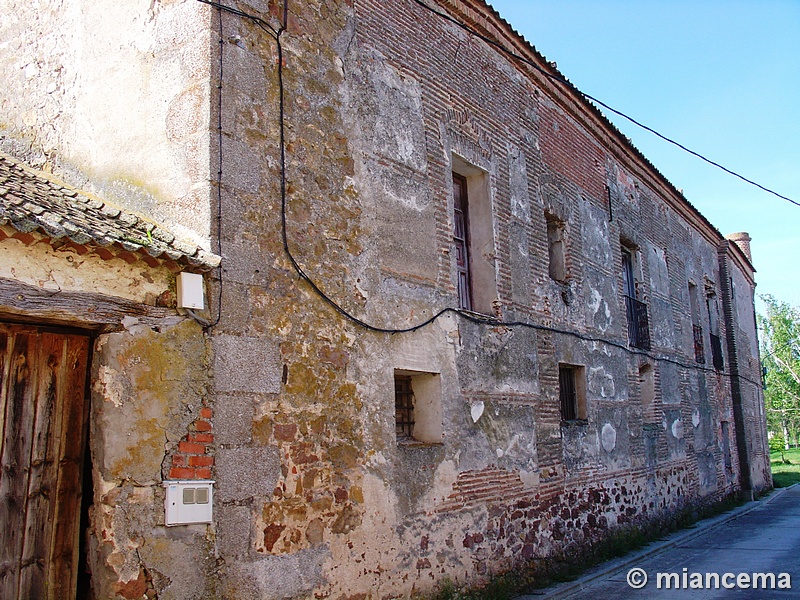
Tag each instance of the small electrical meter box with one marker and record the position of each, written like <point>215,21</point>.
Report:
<point>190,290</point>
<point>188,502</point>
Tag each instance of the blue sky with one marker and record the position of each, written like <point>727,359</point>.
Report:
<point>721,77</point>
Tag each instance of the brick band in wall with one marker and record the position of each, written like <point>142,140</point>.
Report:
<point>194,456</point>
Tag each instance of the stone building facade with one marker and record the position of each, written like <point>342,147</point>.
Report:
<point>454,322</point>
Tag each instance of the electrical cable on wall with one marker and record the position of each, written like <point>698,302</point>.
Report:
<point>219,175</point>
<point>274,33</point>
<point>466,315</point>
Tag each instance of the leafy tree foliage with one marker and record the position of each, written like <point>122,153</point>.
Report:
<point>777,443</point>
<point>780,357</point>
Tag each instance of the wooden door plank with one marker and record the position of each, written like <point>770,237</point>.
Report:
<point>63,567</point>
<point>43,429</point>
<point>14,467</point>
<point>5,366</point>
<point>43,469</point>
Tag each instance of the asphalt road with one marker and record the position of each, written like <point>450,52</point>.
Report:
<point>716,559</point>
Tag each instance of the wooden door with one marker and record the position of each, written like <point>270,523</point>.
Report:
<point>43,417</point>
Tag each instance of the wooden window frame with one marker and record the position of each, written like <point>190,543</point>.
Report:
<point>461,239</point>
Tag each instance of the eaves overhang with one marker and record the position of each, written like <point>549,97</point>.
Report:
<point>34,206</point>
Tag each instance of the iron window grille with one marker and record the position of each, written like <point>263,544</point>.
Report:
<point>403,407</point>
<point>699,350</point>
<point>568,393</point>
<point>638,323</point>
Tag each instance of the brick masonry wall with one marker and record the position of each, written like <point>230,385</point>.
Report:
<point>194,456</point>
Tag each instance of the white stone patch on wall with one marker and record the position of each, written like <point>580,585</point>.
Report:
<point>476,410</point>
<point>599,306</point>
<point>444,480</point>
<point>608,437</point>
<point>677,429</point>
<point>109,386</point>
<point>659,276</point>
<point>601,383</point>
<point>529,478</point>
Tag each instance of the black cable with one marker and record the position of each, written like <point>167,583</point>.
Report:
<point>775,350</point>
<point>566,82</point>
<point>258,20</point>
<point>219,172</point>
<point>467,315</point>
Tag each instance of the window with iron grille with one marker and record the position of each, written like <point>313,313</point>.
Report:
<point>403,407</point>
<point>417,407</point>
<point>636,311</point>
<point>571,392</point>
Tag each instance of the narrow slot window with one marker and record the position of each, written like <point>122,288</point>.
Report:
<point>461,240</point>
<point>555,249</point>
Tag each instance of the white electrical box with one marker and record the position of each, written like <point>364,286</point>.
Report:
<point>188,502</point>
<point>190,290</point>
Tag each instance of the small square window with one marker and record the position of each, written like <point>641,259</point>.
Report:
<point>572,392</point>
<point>417,407</point>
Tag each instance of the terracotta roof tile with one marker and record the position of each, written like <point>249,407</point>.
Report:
<point>33,201</point>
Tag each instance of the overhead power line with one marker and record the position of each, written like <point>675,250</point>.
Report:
<point>464,314</point>
<point>564,81</point>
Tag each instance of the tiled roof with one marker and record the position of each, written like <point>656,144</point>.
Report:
<point>32,201</point>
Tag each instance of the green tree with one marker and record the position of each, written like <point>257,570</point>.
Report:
<point>780,357</point>
<point>778,444</point>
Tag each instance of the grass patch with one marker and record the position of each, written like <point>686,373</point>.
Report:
<point>785,474</point>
